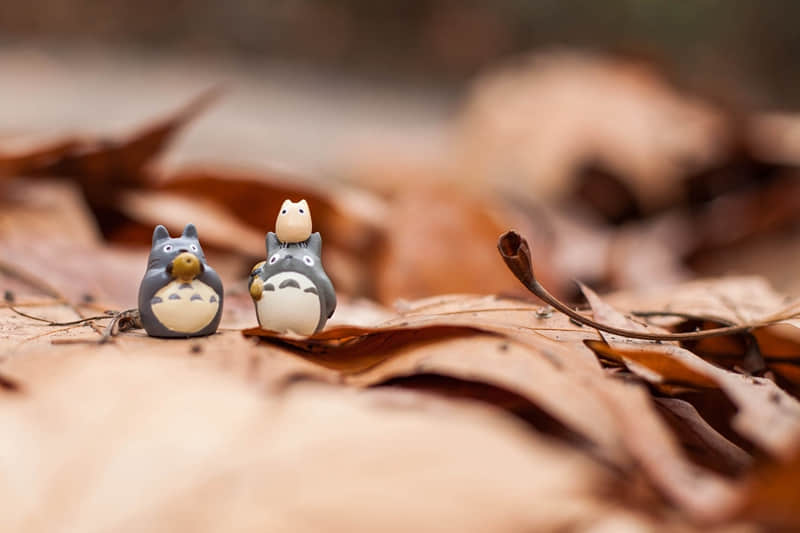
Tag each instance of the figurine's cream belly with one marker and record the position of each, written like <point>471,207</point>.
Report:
<point>288,304</point>
<point>185,307</point>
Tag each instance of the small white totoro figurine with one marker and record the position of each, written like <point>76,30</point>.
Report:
<point>293,224</point>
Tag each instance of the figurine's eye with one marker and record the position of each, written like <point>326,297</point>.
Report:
<point>301,211</point>
<point>167,248</point>
<point>193,247</point>
<point>308,260</point>
<point>283,211</point>
<point>273,259</point>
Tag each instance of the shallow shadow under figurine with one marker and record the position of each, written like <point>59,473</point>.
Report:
<point>180,295</point>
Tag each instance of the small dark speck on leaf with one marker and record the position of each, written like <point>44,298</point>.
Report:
<point>8,296</point>
<point>196,349</point>
<point>775,397</point>
<point>576,322</point>
<point>503,347</point>
<point>9,384</point>
<point>87,298</point>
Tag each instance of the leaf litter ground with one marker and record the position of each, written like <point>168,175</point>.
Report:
<point>469,411</point>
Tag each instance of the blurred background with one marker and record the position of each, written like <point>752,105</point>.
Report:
<point>636,143</point>
<point>430,42</point>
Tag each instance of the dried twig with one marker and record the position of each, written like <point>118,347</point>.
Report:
<point>119,320</point>
<point>517,256</point>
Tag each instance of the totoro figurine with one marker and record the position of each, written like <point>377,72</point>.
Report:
<point>293,224</point>
<point>291,291</point>
<point>180,295</point>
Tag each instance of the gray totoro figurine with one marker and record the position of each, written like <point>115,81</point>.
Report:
<point>180,295</point>
<point>291,291</point>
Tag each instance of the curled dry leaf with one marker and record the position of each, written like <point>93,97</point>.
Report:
<point>767,415</point>
<point>736,299</point>
<point>21,155</point>
<point>440,317</point>
<point>512,366</point>
<point>98,162</point>
<point>710,447</point>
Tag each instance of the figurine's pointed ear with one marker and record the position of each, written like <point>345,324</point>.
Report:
<point>159,234</point>
<point>273,244</point>
<point>190,231</point>
<point>315,244</point>
<point>285,205</point>
<point>302,203</point>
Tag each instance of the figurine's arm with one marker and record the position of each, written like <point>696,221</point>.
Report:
<point>255,283</point>
<point>330,295</point>
<point>153,280</point>
<point>211,278</point>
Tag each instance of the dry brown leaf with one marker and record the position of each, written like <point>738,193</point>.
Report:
<point>773,137</point>
<point>21,155</point>
<point>772,497</point>
<point>532,125</point>
<point>539,364</point>
<point>346,219</point>
<point>78,273</point>
<point>354,349</point>
<point>698,491</point>
<point>219,228</point>
<point>49,210</point>
<point>97,163</point>
<point>514,367</point>
<point>436,243</point>
<point>736,299</point>
<point>767,415</point>
<point>724,301</point>
<point>441,317</point>
<point>709,447</point>
<point>179,447</point>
